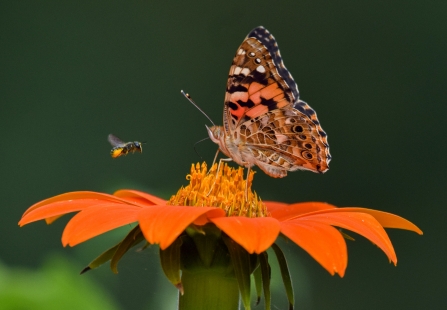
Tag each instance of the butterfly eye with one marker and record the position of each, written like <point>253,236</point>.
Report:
<point>257,60</point>
<point>251,54</point>
<point>216,133</point>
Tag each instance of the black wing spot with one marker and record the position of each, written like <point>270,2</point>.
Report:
<point>306,154</point>
<point>235,88</point>
<point>297,128</point>
<point>248,103</point>
<point>233,106</point>
<point>308,146</point>
<point>259,77</point>
<point>309,112</point>
<point>270,103</point>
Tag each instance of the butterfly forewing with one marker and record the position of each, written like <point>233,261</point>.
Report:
<point>265,122</point>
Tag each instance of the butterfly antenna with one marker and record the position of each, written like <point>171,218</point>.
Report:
<point>187,96</point>
<point>198,143</point>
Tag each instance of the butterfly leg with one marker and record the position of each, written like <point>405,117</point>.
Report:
<point>217,173</point>
<point>214,161</point>
<point>246,183</point>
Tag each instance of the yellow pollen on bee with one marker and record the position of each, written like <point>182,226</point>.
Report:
<point>228,191</point>
<point>116,152</point>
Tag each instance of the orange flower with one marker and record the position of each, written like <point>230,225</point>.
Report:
<point>253,224</point>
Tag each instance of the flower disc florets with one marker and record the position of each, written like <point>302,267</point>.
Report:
<point>226,191</point>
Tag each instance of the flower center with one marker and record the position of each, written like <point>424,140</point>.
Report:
<point>226,191</point>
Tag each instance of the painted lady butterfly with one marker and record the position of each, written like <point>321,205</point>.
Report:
<point>265,122</point>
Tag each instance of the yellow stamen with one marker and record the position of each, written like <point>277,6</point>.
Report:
<point>228,193</point>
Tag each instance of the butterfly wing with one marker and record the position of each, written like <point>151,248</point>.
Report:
<point>263,111</point>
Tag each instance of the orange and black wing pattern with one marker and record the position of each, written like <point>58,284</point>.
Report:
<point>263,110</point>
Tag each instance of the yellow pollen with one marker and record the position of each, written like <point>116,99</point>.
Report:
<point>227,191</point>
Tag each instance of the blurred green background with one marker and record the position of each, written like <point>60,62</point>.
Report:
<point>71,72</point>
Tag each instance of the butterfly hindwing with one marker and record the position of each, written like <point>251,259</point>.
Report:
<point>288,134</point>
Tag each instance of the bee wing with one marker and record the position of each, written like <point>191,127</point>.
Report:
<point>115,141</point>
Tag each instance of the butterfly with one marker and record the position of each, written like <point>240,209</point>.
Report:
<point>123,148</point>
<point>265,123</point>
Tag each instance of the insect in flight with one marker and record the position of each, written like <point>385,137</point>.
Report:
<point>123,148</point>
<point>265,123</point>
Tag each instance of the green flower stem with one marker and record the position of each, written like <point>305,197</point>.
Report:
<point>208,277</point>
<point>209,289</point>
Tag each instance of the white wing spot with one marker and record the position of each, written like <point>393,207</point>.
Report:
<point>260,69</point>
<point>245,71</point>
<point>241,51</point>
<point>237,70</point>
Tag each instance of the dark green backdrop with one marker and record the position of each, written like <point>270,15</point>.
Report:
<point>375,71</point>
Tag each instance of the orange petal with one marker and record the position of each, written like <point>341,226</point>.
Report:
<point>387,220</point>
<point>96,220</point>
<point>56,209</point>
<point>140,197</point>
<point>73,196</point>
<point>296,209</point>
<point>361,223</point>
<point>163,224</point>
<point>273,205</point>
<point>324,243</point>
<point>255,235</point>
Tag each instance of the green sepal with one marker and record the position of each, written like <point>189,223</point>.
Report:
<point>170,259</point>
<point>266,276</point>
<point>134,237</point>
<point>257,276</point>
<point>241,264</point>
<point>285,274</point>
<point>205,239</point>
<point>101,259</point>
<point>345,235</point>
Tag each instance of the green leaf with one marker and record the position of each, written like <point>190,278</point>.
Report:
<point>101,259</point>
<point>257,275</point>
<point>285,274</point>
<point>266,276</point>
<point>170,262</point>
<point>241,264</point>
<point>134,237</point>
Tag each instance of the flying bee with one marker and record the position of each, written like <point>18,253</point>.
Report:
<point>123,148</point>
